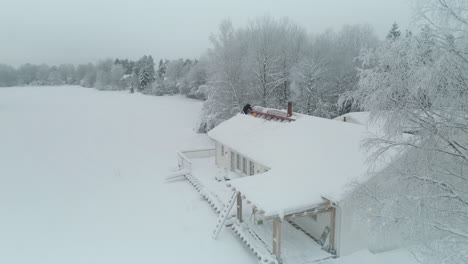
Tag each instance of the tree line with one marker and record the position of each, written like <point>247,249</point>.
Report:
<point>269,62</point>
<point>169,77</point>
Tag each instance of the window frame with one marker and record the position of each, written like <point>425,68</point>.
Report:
<point>251,168</point>
<point>244,165</point>
<point>233,161</point>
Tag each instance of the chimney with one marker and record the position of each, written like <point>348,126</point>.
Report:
<point>289,109</point>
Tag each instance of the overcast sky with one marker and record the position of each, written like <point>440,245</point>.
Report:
<point>79,31</point>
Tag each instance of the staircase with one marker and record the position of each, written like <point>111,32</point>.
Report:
<point>177,174</point>
<point>224,215</point>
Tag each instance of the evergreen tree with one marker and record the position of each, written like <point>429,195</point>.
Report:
<point>126,64</point>
<point>394,32</point>
<point>150,69</point>
<point>146,72</point>
<point>162,69</point>
<point>143,79</point>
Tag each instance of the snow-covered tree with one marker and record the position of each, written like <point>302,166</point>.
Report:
<point>146,73</point>
<point>54,77</point>
<point>307,86</point>
<point>293,49</point>
<point>67,72</point>
<point>42,74</point>
<point>197,79</point>
<point>8,76</point>
<point>176,72</point>
<point>260,63</point>
<point>126,64</point>
<point>269,59</point>
<point>417,84</point>
<point>228,88</point>
<point>109,75</point>
<point>144,79</point>
<point>134,84</point>
<point>87,75</point>
<point>162,69</point>
<point>394,32</point>
<point>338,51</point>
<point>26,74</point>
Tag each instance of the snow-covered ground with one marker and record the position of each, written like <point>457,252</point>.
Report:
<point>82,180</point>
<point>399,256</point>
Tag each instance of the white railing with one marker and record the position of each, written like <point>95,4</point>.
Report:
<point>183,157</point>
<point>199,153</point>
<point>183,162</point>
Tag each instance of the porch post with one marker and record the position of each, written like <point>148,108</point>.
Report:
<point>277,239</point>
<point>332,229</point>
<point>239,207</point>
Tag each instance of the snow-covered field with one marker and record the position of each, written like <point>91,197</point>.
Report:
<point>81,180</point>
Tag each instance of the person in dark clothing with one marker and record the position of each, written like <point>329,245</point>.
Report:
<point>247,108</point>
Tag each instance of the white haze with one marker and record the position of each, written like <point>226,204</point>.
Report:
<point>79,31</point>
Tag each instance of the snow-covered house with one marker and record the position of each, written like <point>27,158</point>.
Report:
<point>293,179</point>
<point>299,171</point>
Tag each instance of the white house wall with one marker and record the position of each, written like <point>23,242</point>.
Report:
<point>363,213</point>
<point>223,160</point>
<point>353,229</point>
<point>259,168</point>
<point>338,230</point>
<point>221,157</point>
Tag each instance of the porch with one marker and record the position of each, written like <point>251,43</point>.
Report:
<point>271,240</point>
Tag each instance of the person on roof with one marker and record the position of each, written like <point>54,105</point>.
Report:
<point>247,108</point>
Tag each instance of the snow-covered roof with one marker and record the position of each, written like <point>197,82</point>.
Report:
<point>361,118</point>
<point>309,158</point>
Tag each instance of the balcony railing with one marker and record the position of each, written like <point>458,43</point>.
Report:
<point>184,157</point>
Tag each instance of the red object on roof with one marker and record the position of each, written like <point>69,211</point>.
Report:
<point>270,114</point>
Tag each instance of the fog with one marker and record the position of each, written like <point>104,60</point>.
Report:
<point>79,31</point>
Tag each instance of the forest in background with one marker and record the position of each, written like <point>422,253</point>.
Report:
<point>268,62</point>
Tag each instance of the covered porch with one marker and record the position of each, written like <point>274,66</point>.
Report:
<point>271,238</point>
<point>286,237</point>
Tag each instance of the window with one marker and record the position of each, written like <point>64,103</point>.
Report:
<point>222,150</point>
<point>251,168</point>
<point>233,160</point>
<point>238,162</point>
<point>244,165</point>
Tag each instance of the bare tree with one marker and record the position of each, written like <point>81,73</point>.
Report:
<point>307,85</point>
<point>227,89</point>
